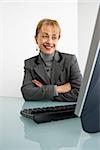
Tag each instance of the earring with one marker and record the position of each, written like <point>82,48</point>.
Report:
<point>37,48</point>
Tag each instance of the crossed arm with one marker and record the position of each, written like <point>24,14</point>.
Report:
<point>59,89</point>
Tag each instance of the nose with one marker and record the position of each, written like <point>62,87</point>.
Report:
<point>49,40</point>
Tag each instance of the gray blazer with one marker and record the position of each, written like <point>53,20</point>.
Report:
<point>64,70</point>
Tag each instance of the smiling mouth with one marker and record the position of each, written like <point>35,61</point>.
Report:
<point>47,46</point>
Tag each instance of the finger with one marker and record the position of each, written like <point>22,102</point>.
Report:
<point>39,84</point>
<point>36,81</point>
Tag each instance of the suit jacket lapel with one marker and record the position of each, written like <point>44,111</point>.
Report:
<point>40,70</point>
<point>56,70</point>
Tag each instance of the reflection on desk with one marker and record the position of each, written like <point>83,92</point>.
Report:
<point>56,134</point>
<point>20,133</point>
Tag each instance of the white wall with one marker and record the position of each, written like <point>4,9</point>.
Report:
<point>18,21</point>
<point>87,12</point>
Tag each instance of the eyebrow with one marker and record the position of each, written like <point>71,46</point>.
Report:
<point>44,33</point>
<point>54,34</point>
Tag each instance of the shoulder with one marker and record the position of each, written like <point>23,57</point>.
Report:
<point>31,58</point>
<point>31,61</point>
<point>67,56</point>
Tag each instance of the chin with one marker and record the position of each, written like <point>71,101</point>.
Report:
<point>49,51</point>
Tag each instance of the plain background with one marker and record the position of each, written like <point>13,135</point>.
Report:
<point>18,22</point>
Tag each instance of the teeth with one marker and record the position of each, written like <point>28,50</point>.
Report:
<point>48,46</point>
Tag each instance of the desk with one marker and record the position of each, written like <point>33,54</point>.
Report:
<point>19,133</point>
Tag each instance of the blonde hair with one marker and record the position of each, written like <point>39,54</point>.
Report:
<point>47,22</point>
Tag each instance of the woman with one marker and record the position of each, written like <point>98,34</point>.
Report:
<point>51,75</point>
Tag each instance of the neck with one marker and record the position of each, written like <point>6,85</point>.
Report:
<point>47,57</point>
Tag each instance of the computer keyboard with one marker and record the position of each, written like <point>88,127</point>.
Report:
<point>51,113</point>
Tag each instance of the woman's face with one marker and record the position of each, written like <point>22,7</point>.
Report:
<point>47,38</point>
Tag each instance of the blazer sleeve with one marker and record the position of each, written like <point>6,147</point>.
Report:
<point>30,91</point>
<point>75,81</point>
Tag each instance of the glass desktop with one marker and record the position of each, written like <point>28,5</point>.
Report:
<point>20,133</point>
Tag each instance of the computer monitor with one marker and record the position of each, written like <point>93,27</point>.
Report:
<point>88,103</point>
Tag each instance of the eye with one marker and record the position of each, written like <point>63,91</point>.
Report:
<point>44,36</point>
<point>54,37</point>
